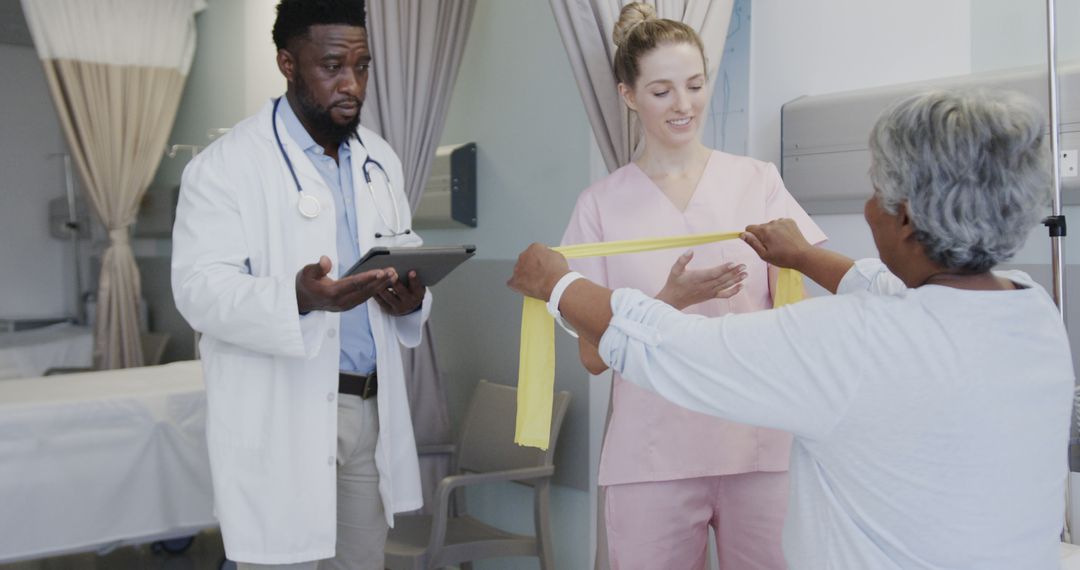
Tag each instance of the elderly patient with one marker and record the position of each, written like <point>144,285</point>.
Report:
<point>929,399</point>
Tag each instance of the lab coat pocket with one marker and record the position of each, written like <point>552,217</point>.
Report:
<point>238,391</point>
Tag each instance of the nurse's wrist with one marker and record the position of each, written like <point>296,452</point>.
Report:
<point>667,297</point>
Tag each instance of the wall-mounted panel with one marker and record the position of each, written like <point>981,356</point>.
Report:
<point>824,137</point>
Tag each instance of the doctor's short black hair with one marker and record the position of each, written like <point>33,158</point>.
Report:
<point>294,17</point>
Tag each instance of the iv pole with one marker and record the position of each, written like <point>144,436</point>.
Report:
<point>73,227</point>
<point>1055,223</point>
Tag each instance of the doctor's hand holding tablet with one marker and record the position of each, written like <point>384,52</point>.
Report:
<point>378,275</point>
<point>315,290</point>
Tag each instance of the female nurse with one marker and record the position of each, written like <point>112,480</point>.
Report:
<point>670,474</point>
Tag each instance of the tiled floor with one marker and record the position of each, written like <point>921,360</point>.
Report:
<point>205,553</point>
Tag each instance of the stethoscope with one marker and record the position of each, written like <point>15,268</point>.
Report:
<point>309,205</point>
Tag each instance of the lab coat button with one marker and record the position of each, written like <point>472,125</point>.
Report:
<point>330,461</point>
<point>331,333</point>
<point>330,397</point>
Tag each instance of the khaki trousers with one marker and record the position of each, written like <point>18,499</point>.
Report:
<point>361,524</point>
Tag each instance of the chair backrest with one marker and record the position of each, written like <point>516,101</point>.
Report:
<point>487,443</point>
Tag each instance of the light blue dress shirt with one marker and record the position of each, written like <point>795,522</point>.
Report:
<point>357,342</point>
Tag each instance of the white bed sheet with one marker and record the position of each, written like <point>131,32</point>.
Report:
<point>102,458</point>
<point>30,353</point>
<point>1070,556</point>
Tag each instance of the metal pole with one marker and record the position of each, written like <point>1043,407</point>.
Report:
<point>1056,222</point>
<point>73,227</point>
<point>1056,245</point>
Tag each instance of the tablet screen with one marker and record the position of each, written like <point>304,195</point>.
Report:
<point>431,263</point>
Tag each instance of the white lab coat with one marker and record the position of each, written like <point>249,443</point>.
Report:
<point>271,374</point>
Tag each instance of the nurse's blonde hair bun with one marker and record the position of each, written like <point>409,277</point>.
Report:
<point>631,16</point>
<point>639,31</point>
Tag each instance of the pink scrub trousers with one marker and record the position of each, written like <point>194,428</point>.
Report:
<point>665,524</point>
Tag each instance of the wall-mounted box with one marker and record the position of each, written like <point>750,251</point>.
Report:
<point>449,199</point>
<point>824,137</point>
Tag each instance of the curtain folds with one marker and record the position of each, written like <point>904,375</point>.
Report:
<point>116,70</point>
<point>417,47</point>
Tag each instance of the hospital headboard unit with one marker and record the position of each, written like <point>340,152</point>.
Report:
<point>825,155</point>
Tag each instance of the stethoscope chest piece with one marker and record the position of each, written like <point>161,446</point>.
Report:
<point>309,206</point>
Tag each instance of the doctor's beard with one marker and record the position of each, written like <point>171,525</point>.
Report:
<point>319,117</point>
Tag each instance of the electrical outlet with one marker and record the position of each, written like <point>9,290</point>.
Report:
<point>1069,163</point>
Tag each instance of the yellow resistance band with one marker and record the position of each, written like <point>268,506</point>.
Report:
<point>536,367</point>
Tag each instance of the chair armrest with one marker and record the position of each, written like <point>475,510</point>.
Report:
<point>448,484</point>
<point>454,481</point>
<point>436,449</point>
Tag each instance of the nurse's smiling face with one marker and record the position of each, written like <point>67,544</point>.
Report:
<point>670,94</point>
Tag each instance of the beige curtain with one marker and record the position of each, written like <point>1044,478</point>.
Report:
<point>417,47</point>
<point>116,70</point>
<point>585,26</point>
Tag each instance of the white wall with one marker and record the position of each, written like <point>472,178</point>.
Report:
<point>807,48</point>
<point>37,279</point>
<point>262,80</point>
<point>516,98</point>
<point>1012,33</point>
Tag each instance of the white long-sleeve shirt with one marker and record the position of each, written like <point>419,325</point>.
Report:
<point>930,424</point>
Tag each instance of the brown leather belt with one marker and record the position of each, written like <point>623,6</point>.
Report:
<point>357,385</point>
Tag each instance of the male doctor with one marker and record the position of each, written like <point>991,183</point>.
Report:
<point>311,443</point>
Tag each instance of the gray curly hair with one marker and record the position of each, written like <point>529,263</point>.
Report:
<point>972,168</point>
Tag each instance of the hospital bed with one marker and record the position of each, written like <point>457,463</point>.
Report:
<point>25,353</point>
<point>100,459</point>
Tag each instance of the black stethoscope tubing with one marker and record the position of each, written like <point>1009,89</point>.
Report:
<point>309,205</point>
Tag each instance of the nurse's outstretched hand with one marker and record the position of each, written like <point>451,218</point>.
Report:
<point>537,271</point>
<point>686,287</point>
<point>778,242</point>
<point>316,291</point>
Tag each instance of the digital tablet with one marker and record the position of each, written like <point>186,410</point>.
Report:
<point>431,264</point>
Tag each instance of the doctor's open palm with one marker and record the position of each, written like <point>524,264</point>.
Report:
<point>316,291</point>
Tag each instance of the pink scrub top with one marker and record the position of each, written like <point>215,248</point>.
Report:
<point>649,438</point>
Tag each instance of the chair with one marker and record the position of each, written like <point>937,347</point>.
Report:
<point>485,453</point>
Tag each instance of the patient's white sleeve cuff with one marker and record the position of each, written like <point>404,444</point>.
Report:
<point>556,296</point>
